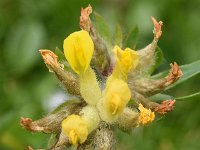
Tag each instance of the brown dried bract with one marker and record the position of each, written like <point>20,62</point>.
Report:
<point>27,124</point>
<point>50,59</point>
<point>174,74</point>
<point>157,28</point>
<point>165,106</point>
<point>85,22</point>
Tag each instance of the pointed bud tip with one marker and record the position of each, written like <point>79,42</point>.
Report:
<point>26,123</point>
<point>174,74</point>
<point>50,59</point>
<point>157,28</point>
<point>165,107</point>
<point>85,22</point>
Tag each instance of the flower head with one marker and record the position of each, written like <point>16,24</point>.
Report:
<point>101,100</point>
<point>78,49</point>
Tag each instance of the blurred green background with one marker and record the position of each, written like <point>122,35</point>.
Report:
<point>28,89</point>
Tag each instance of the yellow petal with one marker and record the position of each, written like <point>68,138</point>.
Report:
<point>125,61</point>
<point>115,103</point>
<point>146,115</point>
<point>89,87</point>
<point>116,96</point>
<point>75,129</point>
<point>117,93</point>
<point>78,50</point>
<point>73,137</point>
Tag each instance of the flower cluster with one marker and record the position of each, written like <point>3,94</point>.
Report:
<point>106,104</point>
<point>105,89</point>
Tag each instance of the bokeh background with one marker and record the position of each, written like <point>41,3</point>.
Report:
<point>28,89</point>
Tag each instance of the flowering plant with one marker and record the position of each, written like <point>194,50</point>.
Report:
<point>111,83</point>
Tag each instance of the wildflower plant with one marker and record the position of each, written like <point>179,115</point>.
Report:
<point>111,85</point>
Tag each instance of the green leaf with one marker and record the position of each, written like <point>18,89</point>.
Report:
<point>102,27</point>
<point>66,103</point>
<point>62,59</point>
<point>160,118</point>
<point>188,96</point>
<point>159,58</point>
<point>23,42</point>
<point>189,71</point>
<point>161,97</point>
<point>6,120</point>
<point>118,38</point>
<point>60,54</point>
<point>132,38</point>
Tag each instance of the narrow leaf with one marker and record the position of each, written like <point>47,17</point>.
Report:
<point>189,71</point>
<point>118,36</point>
<point>62,59</point>
<point>132,38</point>
<point>66,103</point>
<point>160,118</point>
<point>60,54</point>
<point>102,27</point>
<point>188,96</point>
<point>161,97</point>
<point>23,42</point>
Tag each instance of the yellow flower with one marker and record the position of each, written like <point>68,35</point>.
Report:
<point>75,128</point>
<point>116,96</point>
<point>146,115</point>
<point>125,61</point>
<point>78,50</point>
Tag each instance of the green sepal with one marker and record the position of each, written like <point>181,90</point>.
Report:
<point>159,59</point>
<point>52,140</point>
<point>132,38</point>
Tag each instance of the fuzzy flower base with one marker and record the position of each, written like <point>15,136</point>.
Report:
<point>110,85</point>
